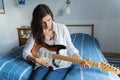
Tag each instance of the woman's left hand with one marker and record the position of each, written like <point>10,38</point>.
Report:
<point>84,64</point>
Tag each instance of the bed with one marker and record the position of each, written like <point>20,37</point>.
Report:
<point>14,67</point>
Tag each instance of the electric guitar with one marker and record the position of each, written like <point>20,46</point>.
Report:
<point>102,65</point>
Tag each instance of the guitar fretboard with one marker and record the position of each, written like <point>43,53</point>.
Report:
<point>76,60</point>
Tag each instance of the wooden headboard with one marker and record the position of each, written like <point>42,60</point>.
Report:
<point>78,27</point>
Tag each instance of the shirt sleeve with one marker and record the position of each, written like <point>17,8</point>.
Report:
<point>70,47</point>
<point>28,47</point>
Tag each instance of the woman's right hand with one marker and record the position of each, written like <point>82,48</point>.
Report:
<point>43,61</point>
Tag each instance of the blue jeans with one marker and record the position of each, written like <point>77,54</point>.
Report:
<point>44,73</point>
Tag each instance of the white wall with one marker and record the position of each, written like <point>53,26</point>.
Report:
<point>8,23</point>
<point>105,14</point>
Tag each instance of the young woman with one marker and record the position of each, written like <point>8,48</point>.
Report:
<point>45,30</point>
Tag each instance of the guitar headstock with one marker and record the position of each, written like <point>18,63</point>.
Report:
<point>108,67</point>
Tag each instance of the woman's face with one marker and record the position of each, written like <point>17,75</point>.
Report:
<point>47,22</point>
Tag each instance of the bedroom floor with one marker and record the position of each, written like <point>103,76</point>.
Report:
<point>114,60</point>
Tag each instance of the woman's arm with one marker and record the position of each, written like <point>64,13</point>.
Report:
<point>72,50</point>
<point>70,47</point>
<point>27,53</point>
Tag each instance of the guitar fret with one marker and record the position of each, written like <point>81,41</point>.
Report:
<point>93,63</point>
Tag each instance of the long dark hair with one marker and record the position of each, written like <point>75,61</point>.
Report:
<point>36,24</point>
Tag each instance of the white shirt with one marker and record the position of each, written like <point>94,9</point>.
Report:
<point>62,37</point>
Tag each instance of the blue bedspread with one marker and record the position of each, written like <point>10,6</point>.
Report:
<point>14,67</point>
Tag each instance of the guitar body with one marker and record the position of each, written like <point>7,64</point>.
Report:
<point>46,50</point>
<point>55,48</point>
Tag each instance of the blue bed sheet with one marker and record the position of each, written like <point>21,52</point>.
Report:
<point>14,67</point>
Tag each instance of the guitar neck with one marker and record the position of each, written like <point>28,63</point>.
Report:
<point>76,60</point>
